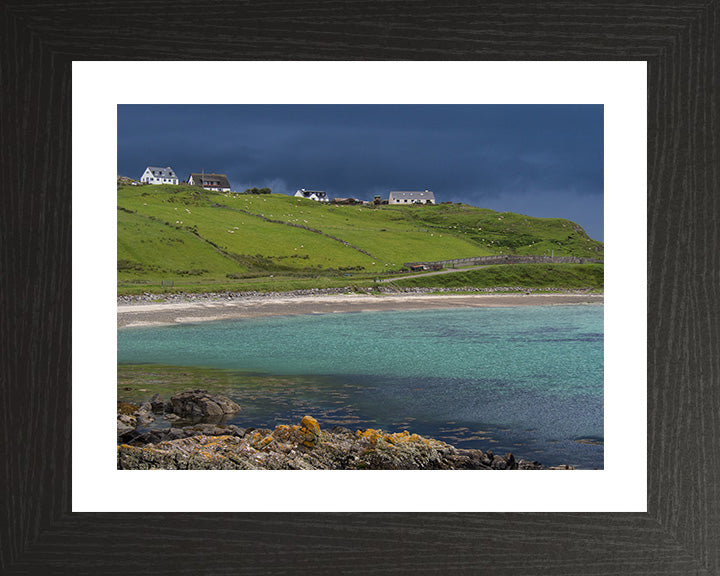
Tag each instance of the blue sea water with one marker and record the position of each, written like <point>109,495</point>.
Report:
<point>526,380</point>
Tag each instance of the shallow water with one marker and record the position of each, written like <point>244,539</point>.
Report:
<point>527,380</point>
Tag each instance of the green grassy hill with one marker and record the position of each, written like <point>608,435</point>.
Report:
<point>193,239</point>
<point>516,276</point>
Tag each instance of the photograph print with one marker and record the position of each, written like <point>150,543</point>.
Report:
<point>360,287</point>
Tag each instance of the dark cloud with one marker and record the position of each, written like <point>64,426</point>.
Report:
<point>538,160</point>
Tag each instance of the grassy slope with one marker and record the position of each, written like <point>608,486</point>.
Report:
<point>147,247</point>
<point>517,275</point>
<point>388,236</point>
<point>221,241</point>
<point>508,232</point>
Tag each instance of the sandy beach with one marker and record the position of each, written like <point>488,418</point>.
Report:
<point>226,308</point>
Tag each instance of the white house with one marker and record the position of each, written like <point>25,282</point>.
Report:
<point>316,195</point>
<point>426,197</point>
<point>216,182</point>
<point>157,175</point>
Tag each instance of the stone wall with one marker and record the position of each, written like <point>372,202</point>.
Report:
<point>506,259</point>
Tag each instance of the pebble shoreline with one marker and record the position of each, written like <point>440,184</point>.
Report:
<point>153,309</point>
<point>379,290</point>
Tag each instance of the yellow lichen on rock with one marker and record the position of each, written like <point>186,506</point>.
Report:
<point>374,436</point>
<point>311,431</point>
<point>298,447</point>
<point>371,435</point>
<point>215,440</point>
<point>264,442</point>
<point>285,433</point>
<point>310,423</point>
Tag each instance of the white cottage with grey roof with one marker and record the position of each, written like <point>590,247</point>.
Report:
<point>426,197</point>
<point>157,175</point>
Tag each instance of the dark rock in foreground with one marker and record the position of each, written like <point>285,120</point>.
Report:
<point>198,403</point>
<point>306,447</point>
<point>157,404</point>
<point>133,420</point>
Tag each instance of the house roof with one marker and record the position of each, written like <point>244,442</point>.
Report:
<point>162,172</point>
<point>214,180</point>
<point>308,193</point>
<point>425,195</point>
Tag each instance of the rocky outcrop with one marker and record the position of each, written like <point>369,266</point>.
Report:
<point>126,418</point>
<point>157,404</point>
<point>196,438</point>
<point>191,405</point>
<point>307,447</point>
<point>144,414</point>
<point>135,437</point>
<point>200,403</point>
<point>132,415</point>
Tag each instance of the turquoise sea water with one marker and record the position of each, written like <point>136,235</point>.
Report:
<point>527,380</point>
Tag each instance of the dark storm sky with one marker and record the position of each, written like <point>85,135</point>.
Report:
<point>537,160</point>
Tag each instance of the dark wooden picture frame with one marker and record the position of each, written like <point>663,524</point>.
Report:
<point>680,533</point>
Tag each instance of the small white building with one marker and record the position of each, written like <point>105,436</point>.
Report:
<point>426,197</point>
<point>216,182</point>
<point>316,195</point>
<point>157,175</point>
